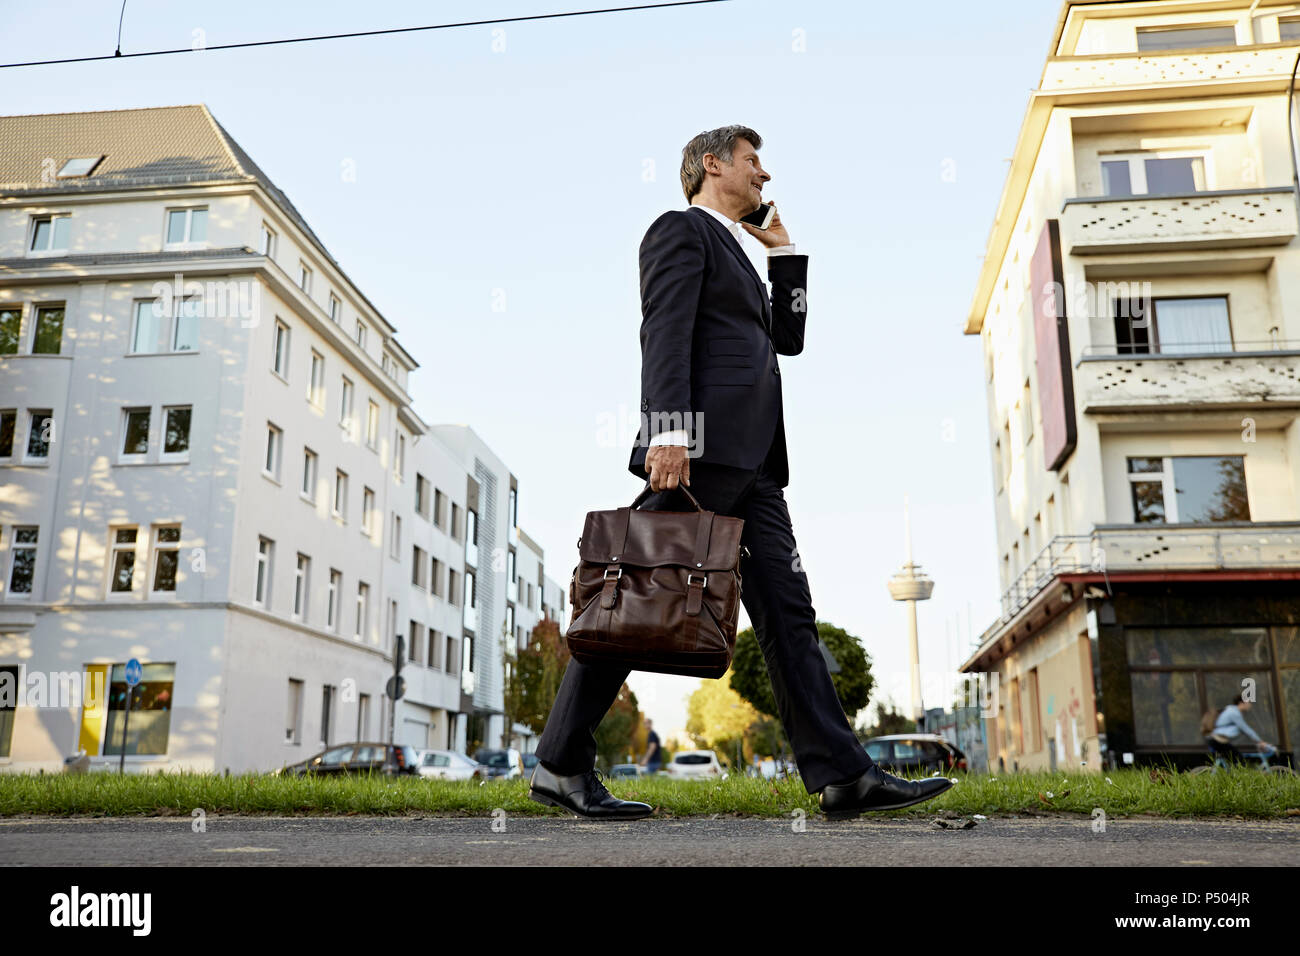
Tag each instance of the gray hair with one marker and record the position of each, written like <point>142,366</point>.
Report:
<point>720,142</point>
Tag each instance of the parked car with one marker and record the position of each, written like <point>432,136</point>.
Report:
<point>360,757</point>
<point>770,768</point>
<point>530,764</point>
<point>626,770</point>
<point>447,765</point>
<point>917,753</point>
<point>501,764</point>
<point>689,764</point>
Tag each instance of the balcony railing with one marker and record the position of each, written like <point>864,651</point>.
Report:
<point>1151,70</point>
<point>1154,547</point>
<point>1212,219</point>
<point>1224,375</point>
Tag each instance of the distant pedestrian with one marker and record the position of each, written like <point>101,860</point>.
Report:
<point>653,758</point>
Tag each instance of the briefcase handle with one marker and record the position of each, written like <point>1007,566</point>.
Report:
<point>680,487</point>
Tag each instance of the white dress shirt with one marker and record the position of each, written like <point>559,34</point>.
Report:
<point>753,250</point>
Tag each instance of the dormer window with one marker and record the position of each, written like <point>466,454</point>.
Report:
<point>76,168</point>
<point>187,226</point>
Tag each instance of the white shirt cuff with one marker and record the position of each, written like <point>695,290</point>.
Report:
<point>781,250</point>
<point>677,436</point>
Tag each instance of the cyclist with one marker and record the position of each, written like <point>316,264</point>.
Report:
<point>1233,734</point>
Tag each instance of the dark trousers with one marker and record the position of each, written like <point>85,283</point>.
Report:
<point>774,590</point>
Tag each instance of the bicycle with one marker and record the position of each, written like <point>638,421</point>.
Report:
<point>1224,755</point>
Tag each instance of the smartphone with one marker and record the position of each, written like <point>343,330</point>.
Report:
<point>761,217</point>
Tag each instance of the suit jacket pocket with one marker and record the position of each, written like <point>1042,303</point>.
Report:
<point>726,375</point>
<point>728,345</point>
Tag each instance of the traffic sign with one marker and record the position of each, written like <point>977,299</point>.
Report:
<point>133,672</point>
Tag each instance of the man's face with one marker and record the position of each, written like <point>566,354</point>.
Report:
<point>743,180</point>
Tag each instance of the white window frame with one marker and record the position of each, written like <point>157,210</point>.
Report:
<point>51,249</point>
<point>395,549</point>
<point>399,458</point>
<point>14,547</point>
<point>360,335</point>
<point>28,458</point>
<point>264,565</point>
<point>280,350</point>
<point>310,463</point>
<point>332,605</point>
<point>316,383</point>
<point>372,425</point>
<point>269,237</point>
<point>188,242</point>
<point>174,457</point>
<point>34,324</point>
<point>1168,486</point>
<point>1137,171</point>
<point>367,512</point>
<point>158,547</point>
<point>336,309</point>
<point>137,549</point>
<point>301,587</point>
<point>304,277</point>
<point>363,610</point>
<point>134,458</point>
<point>346,400</point>
<point>339,501</point>
<point>169,326</point>
<point>274,450</point>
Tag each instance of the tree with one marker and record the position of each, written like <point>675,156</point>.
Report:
<point>537,673</point>
<point>719,719</point>
<point>853,683</point>
<point>889,721</point>
<point>614,736</point>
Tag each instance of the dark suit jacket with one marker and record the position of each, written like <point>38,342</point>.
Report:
<point>709,342</point>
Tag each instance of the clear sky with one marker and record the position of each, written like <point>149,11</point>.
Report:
<point>487,188</point>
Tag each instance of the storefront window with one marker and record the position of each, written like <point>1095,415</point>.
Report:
<point>151,707</point>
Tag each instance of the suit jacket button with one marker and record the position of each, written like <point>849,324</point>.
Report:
<point>776,371</point>
<point>644,404</point>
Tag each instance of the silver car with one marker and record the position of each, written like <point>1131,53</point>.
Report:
<point>446,765</point>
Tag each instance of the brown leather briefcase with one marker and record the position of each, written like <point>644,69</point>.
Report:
<point>657,590</point>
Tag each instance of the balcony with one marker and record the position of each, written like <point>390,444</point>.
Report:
<point>1241,375</point>
<point>1217,219</point>
<point>1155,547</point>
<point>1259,66</point>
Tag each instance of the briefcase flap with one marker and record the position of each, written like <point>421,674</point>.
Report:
<point>656,538</point>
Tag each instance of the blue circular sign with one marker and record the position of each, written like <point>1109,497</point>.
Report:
<point>133,672</point>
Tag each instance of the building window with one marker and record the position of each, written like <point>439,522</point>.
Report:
<point>341,495</point>
<point>135,434</point>
<point>455,521</point>
<point>361,335</point>
<point>8,425</point>
<point>309,474</point>
<point>1288,30</point>
<point>335,595</point>
<point>326,713</point>
<point>122,560</point>
<point>1027,413</point>
<point>50,233</point>
<point>280,354</point>
<point>300,584</point>
<point>336,309</point>
<point>415,645</point>
<point>395,549</point>
<point>187,226</point>
<point>510,566</point>
<point>1153,173</point>
<point>271,464</point>
<point>166,558</point>
<point>11,323</point>
<point>47,339</point>
<point>435,574</point>
<point>268,241</point>
<point>345,405</point>
<point>1184,38</point>
<point>22,561</point>
<point>449,655</point>
<point>304,278</point>
<point>160,329</point>
<point>471,537</point>
<point>439,509</point>
<point>1177,325</point>
<point>453,593</point>
<point>417,567</point>
<point>399,460</point>
<point>372,425</point>
<point>1189,490</point>
<point>293,725</point>
<point>363,609</point>
<point>421,495</point>
<point>367,512</point>
<point>40,435</point>
<point>316,384</point>
<point>146,731</point>
<point>262,590</point>
<point>176,432</point>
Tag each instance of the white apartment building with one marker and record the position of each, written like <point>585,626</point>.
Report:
<point>1139,314</point>
<point>209,462</point>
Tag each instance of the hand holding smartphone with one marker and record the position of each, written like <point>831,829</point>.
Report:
<point>761,217</point>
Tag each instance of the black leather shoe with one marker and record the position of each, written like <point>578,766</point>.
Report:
<point>877,790</point>
<point>583,795</point>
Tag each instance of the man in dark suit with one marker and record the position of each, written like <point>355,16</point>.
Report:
<point>712,419</point>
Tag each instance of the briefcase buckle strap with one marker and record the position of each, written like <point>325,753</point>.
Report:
<point>609,593</point>
<point>695,592</point>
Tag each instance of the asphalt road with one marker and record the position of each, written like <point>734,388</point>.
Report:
<point>567,841</point>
